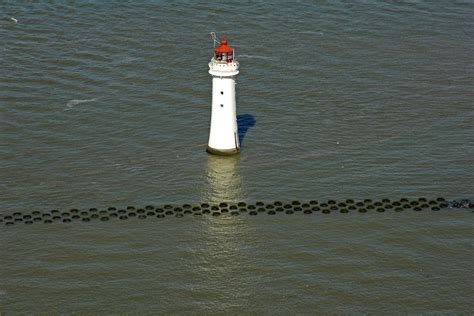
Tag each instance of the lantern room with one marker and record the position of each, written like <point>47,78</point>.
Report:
<point>223,52</point>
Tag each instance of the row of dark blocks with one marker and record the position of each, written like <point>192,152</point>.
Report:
<point>234,209</point>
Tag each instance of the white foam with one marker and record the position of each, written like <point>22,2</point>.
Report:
<point>253,56</point>
<point>313,32</point>
<point>73,103</point>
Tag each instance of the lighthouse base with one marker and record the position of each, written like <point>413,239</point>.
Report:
<point>223,152</point>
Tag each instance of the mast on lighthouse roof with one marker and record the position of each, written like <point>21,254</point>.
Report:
<point>223,135</point>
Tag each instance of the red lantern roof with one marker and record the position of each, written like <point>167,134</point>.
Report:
<point>223,48</point>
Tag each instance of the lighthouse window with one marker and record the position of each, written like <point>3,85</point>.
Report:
<point>222,92</point>
<point>222,105</point>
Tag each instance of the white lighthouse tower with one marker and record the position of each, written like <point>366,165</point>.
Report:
<point>223,136</point>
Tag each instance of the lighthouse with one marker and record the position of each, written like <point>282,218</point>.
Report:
<point>223,135</point>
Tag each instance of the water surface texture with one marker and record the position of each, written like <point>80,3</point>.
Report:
<point>108,104</point>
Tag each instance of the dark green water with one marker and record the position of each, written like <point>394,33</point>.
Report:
<point>108,104</point>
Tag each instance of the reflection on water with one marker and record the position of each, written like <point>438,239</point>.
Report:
<point>223,239</point>
<point>223,180</point>
<point>224,261</point>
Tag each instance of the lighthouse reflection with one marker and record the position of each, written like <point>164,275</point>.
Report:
<point>223,239</point>
<point>224,182</point>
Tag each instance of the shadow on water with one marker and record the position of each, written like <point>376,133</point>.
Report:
<point>244,122</point>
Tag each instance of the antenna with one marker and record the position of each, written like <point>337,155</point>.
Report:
<point>214,36</point>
